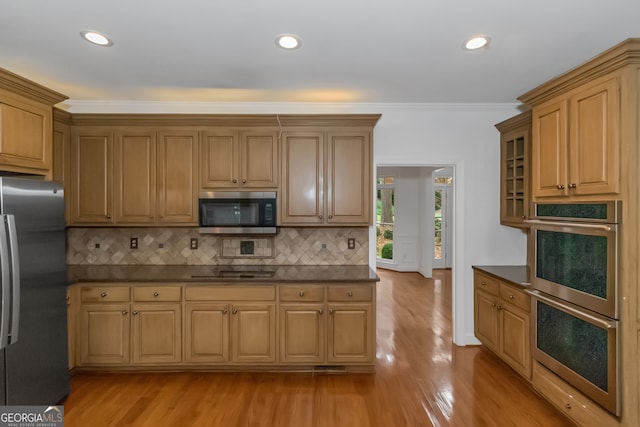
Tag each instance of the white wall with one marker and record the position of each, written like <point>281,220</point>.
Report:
<point>418,135</point>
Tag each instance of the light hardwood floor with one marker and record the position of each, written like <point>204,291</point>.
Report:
<point>421,379</point>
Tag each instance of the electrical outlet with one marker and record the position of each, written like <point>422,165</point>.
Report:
<point>133,243</point>
<point>324,246</point>
<point>194,243</point>
<point>351,243</point>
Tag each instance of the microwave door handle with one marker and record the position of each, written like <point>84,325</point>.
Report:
<point>572,224</point>
<point>5,285</point>
<point>15,278</point>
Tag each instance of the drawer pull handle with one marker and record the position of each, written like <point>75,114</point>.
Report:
<point>350,294</point>
<point>301,293</point>
<point>155,294</point>
<point>103,294</point>
<point>124,312</point>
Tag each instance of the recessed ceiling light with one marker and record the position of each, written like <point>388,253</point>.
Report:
<point>476,42</point>
<point>288,41</point>
<point>96,38</point>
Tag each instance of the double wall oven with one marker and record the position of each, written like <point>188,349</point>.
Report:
<point>574,281</point>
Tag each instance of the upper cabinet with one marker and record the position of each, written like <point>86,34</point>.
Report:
<point>133,176</point>
<point>576,139</point>
<point>326,178</point>
<point>26,125</point>
<point>239,159</point>
<point>515,154</point>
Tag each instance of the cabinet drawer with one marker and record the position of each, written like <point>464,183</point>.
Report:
<point>349,293</point>
<point>302,293</point>
<point>486,283</point>
<point>515,296</point>
<point>104,294</point>
<point>156,293</point>
<point>230,293</point>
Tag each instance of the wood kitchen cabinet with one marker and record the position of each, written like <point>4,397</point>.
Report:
<point>336,330</point>
<point>515,178</point>
<point>501,319</point>
<point>326,178</point>
<point>133,176</point>
<point>91,178</point>
<point>116,331</point>
<point>239,159</point>
<point>26,110</point>
<point>235,324</point>
<point>576,141</point>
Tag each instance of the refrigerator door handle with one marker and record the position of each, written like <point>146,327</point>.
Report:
<point>15,279</point>
<point>5,284</point>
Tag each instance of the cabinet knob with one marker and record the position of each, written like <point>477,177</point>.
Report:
<point>568,406</point>
<point>225,311</point>
<point>493,304</point>
<point>499,308</point>
<point>483,283</point>
<point>301,293</point>
<point>235,181</point>
<point>512,297</point>
<point>108,216</point>
<point>124,312</point>
<point>320,311</point>
<point>560,186</point>
<point>103,294</point>
<point>235,311</point>
<point>320,216</point>
<point>573,185</point>
<point>244,181</point>
<point>155,294</point>
<point>135,313</point>
<point>331,311</point>
<point>349,294</point>
<point>330,216</point>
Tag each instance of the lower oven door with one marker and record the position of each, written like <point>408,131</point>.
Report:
<point>578,345</point>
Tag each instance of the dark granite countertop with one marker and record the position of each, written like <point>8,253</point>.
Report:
<point>516,274</point>
<point>221,273</point>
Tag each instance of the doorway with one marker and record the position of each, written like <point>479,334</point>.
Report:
<point>443,210</point>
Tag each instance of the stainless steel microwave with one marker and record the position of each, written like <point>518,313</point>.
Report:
<point>237,212</point>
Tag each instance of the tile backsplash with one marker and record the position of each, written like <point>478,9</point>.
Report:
<point>172,246</point>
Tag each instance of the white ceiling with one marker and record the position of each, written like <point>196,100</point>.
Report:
<point>353,51</point>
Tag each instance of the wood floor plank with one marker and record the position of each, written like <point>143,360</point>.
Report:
<point>421,379</point>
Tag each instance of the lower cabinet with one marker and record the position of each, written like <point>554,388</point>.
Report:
<point>224,324</point>
<point>114,330</point>
<point>501,314</point>
<point>334,329</point>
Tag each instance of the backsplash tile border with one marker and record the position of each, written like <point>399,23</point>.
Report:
<point>171,246</point>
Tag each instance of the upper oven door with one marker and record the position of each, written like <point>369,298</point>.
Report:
<point>576,262</point>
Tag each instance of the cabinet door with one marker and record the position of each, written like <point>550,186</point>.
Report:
<point>349,180</point>
<point>157,334</point>
<point>259,159</point>
<point>177,169</point>
<point>302,192</point>
<point>253,333</point>
<point>515,181</point>
<point>350,333</point>
<point>549,150</point>
<point>302,333</point>
<point>487,328</point>
<point>92,175</point>
<point>219,159</point>
<point>25,135</point>
<point>104,334</point>
<point>514,342</point>
<point>135,177</point>
<point>594,139</point>
<point>206,333</point>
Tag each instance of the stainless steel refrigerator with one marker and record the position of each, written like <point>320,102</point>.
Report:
<point>34,366</point>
